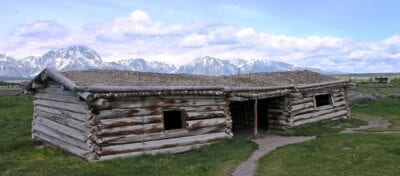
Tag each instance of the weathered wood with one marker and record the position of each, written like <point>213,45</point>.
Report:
<point>240,99</point>
<point>172,150</point>
<point>127,121</point>
<point>194,124</point>
<point>67,114</point>
<point>159,144</point>
<point>87,96</point>
<point>316,114</point>
<point>39,128</point>
<point>57,91</point>
<point>340,103</point>
<point>37,85</point>
<point>157,103</point>
<point>323,117</point>
<point>100,104</point>
<point>119,113</point>
<point>79,135</point>
<point>133,129</point>
<point>296,95</point>
<point>57,97</point>
<point>66,146</point>
<point>132,138</point>
<point>63,106</point>
<point>303,111</point>
<point>78,125</point>
<point>205,115</point>
<point>302,106</point>
<point>303,100</point>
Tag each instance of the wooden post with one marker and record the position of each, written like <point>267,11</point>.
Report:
<point>255,118</point>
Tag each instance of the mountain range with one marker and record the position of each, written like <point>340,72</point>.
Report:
<point>84,58</point>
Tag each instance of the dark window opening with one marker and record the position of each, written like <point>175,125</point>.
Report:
<point>173,120</point>
<point>322,100</point>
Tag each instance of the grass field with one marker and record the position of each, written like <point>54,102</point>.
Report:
<point>350,154</point>
<point>334,154</point>
<point>19,155</point>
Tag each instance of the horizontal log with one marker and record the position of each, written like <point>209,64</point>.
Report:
<point>205,115</point>
<point>39,128</point>
<point>171,97</point>
<point>57,91</point>
<point>340,103</point>
<point>119,113</point>
<point>160,144</point>
<point>124,139</point>
<point>303,100</point>
<point>61,144</point>
<point>239,99</point>
<point>339,94</point>
<point>165,103</point>
<point>57,97</point>
<point>302,106</point>
<point>296,95</point>
<point>61,128</point>
<point>133,129</point>
<point>172,150</point>
<point>303,111</point>
<point>194,124</point>
<point>316,114</point>
<point>63,106</point>
<point>338,99</point>
<point>319,118</point>
<point>78,125</point>
<point>127,121</point>
<point>67,114</point>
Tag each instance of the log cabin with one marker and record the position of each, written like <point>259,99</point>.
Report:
<point>105,114</point>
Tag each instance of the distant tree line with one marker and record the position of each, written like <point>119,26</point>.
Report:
<point>9,85</point>
<point>379,80</point>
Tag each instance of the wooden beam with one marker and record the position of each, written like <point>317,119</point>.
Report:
<point>255,117</point>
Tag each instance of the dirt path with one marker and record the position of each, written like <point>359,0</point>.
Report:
<point>265,145</point>
<point>372,123</point>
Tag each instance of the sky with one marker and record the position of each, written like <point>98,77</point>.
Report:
<point>343,35</point>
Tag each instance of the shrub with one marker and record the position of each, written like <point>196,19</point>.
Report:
<point>394,95</point>
<point>357,98</point>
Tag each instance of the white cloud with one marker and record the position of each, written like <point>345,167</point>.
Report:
<point>138,35</point>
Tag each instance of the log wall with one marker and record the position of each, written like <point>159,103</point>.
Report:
<point>134,126</point>
<point>303,109</point>
<point>61,118</point>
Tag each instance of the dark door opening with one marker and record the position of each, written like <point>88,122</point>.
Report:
<point>243,116</point>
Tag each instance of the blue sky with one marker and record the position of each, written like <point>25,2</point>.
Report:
<point>310,32</point>
<point>357,19</point>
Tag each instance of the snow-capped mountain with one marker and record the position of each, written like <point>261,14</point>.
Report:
<point>146,66</point>
<point>12,67</point>
<point>71,58</point>
<point>84,58</point>
<point>209,66</point>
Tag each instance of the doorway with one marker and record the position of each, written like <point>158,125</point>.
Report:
<point>243,115</point>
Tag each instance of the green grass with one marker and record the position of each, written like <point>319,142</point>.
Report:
<point>355,154</point>
<point>323,128</point>
<point>386,90</point>
<point>19,155</point>
<point>385,108</point>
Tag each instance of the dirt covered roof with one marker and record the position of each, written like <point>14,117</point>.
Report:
<point>132,78</point>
